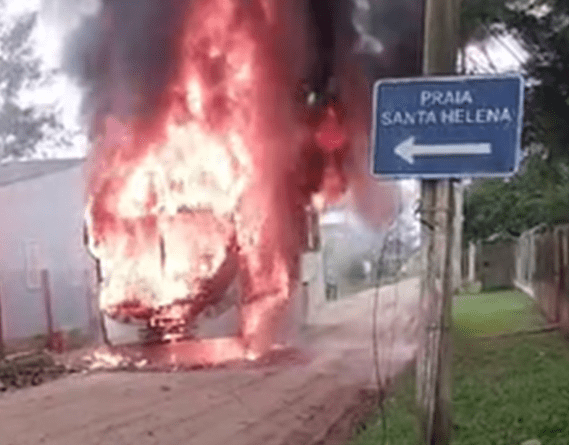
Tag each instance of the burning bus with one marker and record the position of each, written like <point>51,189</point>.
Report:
<point>219,128</point>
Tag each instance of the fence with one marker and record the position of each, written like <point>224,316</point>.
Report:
<point>537,263</point>
<point>542,270</point>
<point>526,260</point>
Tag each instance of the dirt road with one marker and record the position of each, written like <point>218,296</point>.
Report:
<point>309,399</point>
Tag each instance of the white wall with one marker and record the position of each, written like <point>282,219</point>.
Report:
<point>312,279</point>
<point>48,211</point>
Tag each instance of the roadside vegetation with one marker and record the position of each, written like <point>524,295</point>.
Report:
<point>539,193</point>
<point>506,390</point>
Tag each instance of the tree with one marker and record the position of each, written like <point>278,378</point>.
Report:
<point>542,27</point>
<point>539,194</point>
<point>22,127</point>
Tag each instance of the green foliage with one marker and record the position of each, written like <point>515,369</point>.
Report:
<point>542,26</point>
<point>539,194</point>
<point>476,14</point>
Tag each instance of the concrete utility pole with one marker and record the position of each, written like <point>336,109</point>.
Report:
<point>434,356</point>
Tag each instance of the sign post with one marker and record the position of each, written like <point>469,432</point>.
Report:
<point>439,129</point>
<point>434,354</point>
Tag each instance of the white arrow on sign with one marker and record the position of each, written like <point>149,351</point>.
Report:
<point>408,149</point>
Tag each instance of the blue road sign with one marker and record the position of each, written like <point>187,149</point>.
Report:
<point>445,127</point>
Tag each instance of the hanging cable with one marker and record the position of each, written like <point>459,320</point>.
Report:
<point>396,295</point>
<point>380,384</point>
<point>383,382</point>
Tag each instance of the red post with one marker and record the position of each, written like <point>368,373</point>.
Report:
<point>47,300</point>
<point>2,346</point>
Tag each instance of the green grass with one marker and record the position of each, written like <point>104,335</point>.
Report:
<point>495,313</point>
<point>400,422</point>
<point>505,390</point>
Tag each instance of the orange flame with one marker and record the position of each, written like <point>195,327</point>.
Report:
<point>173,193</point>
